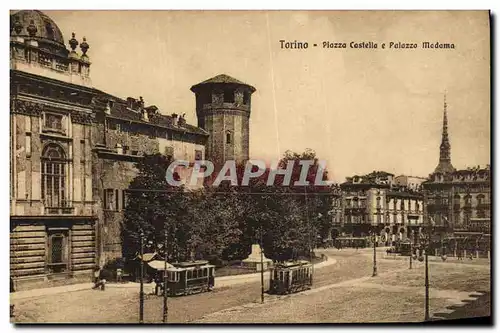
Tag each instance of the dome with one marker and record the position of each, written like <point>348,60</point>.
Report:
<point>47,30</point>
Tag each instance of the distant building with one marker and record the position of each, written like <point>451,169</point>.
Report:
<point>376,203</point>
<point>457,199</point>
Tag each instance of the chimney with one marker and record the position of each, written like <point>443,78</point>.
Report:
<point>109,106</point>
<point>182,120</point>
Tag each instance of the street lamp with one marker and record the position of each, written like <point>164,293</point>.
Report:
<point>427,317</point>
<point>374,254</point>
<point>411,246</point>
<point>165,279</point>
<point>141,291</point>
<point>261,267</point>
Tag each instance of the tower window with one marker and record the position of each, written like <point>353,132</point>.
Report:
<point>246,97</point>
<point>228,96</point>
<point>228,137</point>
<point>207,98</point>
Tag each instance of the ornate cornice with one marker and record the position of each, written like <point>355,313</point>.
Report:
<point>82,118</point>
<point>27,108</point>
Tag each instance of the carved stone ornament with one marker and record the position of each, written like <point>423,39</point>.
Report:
<point>27,108</point>
<point>82,118</point>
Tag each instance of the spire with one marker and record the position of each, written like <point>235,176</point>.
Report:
<point>444,165</point>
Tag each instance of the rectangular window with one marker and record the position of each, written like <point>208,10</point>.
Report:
<point>82,180</point>
<point>246,98</point>
<point>229,96</point>
<point>57,256</point>
<point>109,199</point>
<point>117,200</point>
<point>57,250</point>
<point>53,121</point>
<point>118,128</point>
<point>28,145</point>
<point>124,199</point>
<point>82,150</point>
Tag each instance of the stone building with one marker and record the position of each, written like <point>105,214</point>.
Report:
<point>122,132</point>
<point>223,106</point>
<point>53,216</point>
<point>73,149</point>
<point>376,203</point>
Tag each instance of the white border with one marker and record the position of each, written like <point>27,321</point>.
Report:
<point>190,5</point>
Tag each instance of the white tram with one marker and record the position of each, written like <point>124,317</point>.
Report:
<point>291,277</point>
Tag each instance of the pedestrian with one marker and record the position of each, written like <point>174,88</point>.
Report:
<point>97,271</point>
<point>99,278</point>
<point>119,275</point>
<point>158,284</point>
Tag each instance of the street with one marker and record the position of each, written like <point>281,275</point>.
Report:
<point>343,292</point>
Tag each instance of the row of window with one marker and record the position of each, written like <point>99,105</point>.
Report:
<point>197,273</point>
<point>151,132</point>
<point>480,199</point>
<point>228,97</point>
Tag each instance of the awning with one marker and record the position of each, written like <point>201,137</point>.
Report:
<point>159,265</point>
<point>147,256</point>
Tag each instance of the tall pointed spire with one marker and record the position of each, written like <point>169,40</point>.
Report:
<point>445,165</point>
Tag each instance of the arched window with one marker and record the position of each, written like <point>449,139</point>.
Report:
<point>480,199</point>
<point>468,198</point>
<point>228,137</point>
<point>53,184</point>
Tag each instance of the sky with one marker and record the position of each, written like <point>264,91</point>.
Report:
<point>359,109</point>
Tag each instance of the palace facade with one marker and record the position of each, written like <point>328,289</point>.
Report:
<point>74,149</point>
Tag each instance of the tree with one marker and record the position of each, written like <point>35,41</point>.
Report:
<point>152,205</point>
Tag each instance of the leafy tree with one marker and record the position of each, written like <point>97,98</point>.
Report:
<point>152,205</point>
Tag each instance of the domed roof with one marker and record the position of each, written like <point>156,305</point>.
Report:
<point>46,28</point>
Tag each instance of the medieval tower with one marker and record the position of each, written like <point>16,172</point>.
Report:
<point>223,106</point>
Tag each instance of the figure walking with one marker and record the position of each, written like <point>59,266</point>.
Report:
<point>99,280</point>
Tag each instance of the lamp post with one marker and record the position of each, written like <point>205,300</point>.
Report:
<point>374,254</point>
<point>165,279</point>
<point>427,317</point>
<point>261,268</point>
<point>141,291</point>
<point>412,236</point>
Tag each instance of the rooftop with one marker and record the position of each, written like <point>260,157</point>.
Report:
<point>221,79</point>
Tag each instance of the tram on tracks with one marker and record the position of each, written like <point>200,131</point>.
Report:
<point>291,277</point>
<point>186,278</point>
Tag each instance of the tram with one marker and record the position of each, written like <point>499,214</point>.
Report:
<point>186,278</point>
<point>291,277</point>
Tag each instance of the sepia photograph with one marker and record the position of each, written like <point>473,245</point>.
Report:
<point>250,167</point>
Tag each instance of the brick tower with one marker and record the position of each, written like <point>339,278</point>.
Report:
<point>223,107</point>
